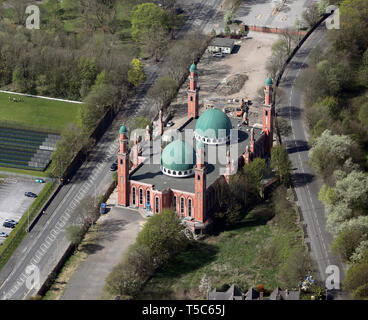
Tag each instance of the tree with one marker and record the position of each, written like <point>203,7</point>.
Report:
<point>256,170</point>
<point>356,280</point>
<point>87,212</point>
<point>228,17</point>
<point>346,200</point>
<point>131,273</point>
<point>347,241</point>
<point>227,30</point>
<point>18,8</point>
<point>281,163</point>
<point>329,152</point>
<point>74,234</point>
<point>363,115</point>
<point>163,91</point>
<point>283,127</point>
<point>295,268</point>
<point>136,74</point>
<point>146,18</point>
<point>155,43</point>
<point>311,15</point>
<point>72,140</point>
<point>163,235</point>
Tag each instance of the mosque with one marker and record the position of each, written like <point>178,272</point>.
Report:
<point>181,176</point>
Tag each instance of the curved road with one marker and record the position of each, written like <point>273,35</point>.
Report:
<point>46,243</point>
<point>306,185</point>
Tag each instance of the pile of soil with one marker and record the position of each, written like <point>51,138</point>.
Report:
<point>231,85</point>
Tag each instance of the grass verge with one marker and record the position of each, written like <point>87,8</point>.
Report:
<point>41,174</point>
<point>19,232</point>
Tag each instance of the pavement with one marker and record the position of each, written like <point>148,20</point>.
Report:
<point>117,230</point>
<point>306,184</point>
<point>46,243</point>
<point>260,13</point>
<point>13,202</point>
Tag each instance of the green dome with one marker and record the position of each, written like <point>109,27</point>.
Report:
<point>178,156</point>
<point>123,129</point>
<point>269,82</point>
<point>210,122</point>
<point>193,68</point>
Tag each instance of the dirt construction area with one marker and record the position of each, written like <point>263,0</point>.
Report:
<point>236,76</point>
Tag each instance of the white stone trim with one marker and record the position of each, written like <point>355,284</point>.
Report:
<point>211,141</point>
<point>176,173</point>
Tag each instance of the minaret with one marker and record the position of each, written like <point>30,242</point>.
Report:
<point>147,136</point>
<point>246,155</point>
<point>193,111</point>
<point>123,169</point>
<point>252,140</point>
<point>135,152</point>
<point>200,200</point>
<point>160,124</point>
<point>267,118</point>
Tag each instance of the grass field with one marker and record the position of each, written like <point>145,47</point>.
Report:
<point>252,253</point>
<point>36,113</point>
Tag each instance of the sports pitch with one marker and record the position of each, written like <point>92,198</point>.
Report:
<point>36,113</point>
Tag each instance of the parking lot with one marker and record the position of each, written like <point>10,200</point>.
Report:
<point>13,202</point>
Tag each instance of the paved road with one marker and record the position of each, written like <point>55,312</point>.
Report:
<point>117,230</point>
<point>306,184</point>
<point>45,244</point>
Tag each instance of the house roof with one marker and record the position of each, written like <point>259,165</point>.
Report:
<point>233,293</point>
<point>252,294</point>
<point>279,294</point>
<point>222,42</point>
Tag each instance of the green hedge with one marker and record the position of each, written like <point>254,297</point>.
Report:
<point>18,233</point>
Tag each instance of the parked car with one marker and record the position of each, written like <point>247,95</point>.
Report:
<point>103,208</point>
<point>218,55</point>
<point>170,123</point>
<point>30,194</point>
<point>39,180</point>
<point>11,221</point>
<point>114,167</point>
<point>3,234</point>
<point>8,224</point>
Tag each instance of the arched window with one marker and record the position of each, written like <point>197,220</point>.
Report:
<point>140,196</point>
<point>133,196</point>
<point>190,207</point>
<point>157,205</point>
<point>148,200</point>
<point>181,205</point>
<point>174,203</point>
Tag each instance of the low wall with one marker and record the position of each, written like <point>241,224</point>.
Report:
<point>275,30</point>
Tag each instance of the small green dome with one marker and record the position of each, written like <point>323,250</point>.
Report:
<point>269,82</point>
<point>178,156</point>
<point>210,122</point>
<point>123,129</point>
<point>193,68</point>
